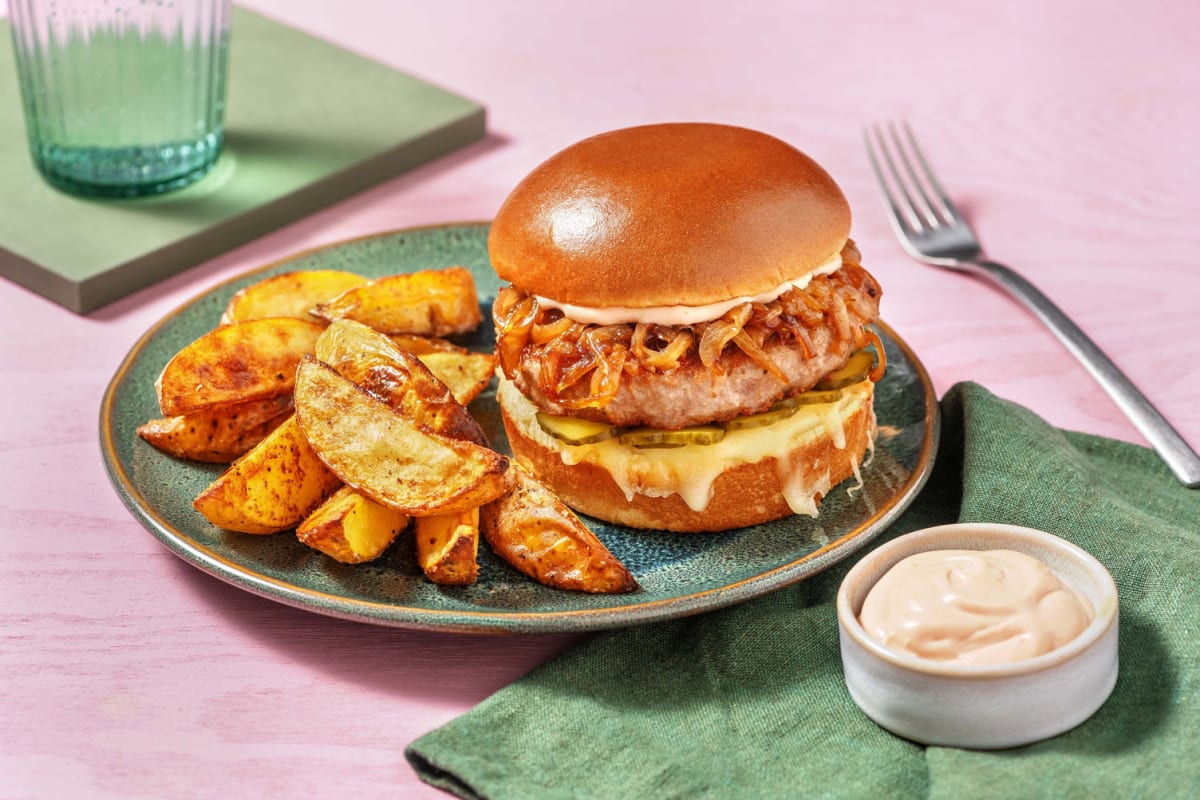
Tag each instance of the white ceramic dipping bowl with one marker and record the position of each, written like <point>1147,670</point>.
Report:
<point>981,706</point>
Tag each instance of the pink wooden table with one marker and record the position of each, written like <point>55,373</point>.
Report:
<point>1068,130</point>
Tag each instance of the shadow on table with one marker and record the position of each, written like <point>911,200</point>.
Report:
<point>426,664</point>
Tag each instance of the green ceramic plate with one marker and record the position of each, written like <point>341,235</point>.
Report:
<point>679,574</point>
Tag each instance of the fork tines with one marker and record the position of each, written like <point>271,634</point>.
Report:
<point>914,196</point>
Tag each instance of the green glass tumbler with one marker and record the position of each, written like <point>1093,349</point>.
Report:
<point>122,98</point>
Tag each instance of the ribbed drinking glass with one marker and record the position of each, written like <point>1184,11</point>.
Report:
<point>122,98</point>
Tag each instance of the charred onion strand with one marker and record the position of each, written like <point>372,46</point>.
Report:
<point>881,356</point>
<point>756,354</point>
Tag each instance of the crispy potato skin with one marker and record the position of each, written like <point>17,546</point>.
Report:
<point>466,375</point>
<point>448,547</point>
<point>236,363</point>
<point>536,533</point>
<point>386,455</point>
<point>271,488</point>
<point>423,345</point>
<point>398,378</point>
<point>290,294</point>
<point>351,528</point>
<point>219,434</point>
<point>426,303</point>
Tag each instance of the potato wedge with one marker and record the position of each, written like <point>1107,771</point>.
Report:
<point>271,488</point>
<point>219,434</point>
<point>426,303</point>
<point>236,363</point>
<point>290,294</point>
<point>536,533</point>
<point>447,547</point>
<point>389,457</point>
<point>465,374</point>
<point>421,345</point>
<point>397,377</point>
<point>351,528</point>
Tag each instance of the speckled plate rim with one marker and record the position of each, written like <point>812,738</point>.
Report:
<point>494,622</point>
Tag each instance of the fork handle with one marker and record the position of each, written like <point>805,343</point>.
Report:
<point>1176,452</point>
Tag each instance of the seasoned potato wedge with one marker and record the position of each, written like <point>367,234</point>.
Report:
<point>447,546</point>
<point>465,374</point>
<point>396,377</point>
<point>536,533</point>
<point>219,434</point>
<point>236,363</point>
<point>420,345</point>
<point>351,528</point>
<point>426,303</point>
<point>291,294</point>
<point>271,488</point>
<point>389,457</point>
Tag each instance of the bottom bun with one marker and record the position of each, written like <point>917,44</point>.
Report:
<point>818,448</point>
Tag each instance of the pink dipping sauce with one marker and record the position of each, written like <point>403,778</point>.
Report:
<point>973,607</point>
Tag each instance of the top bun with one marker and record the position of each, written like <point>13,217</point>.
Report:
<point>673,214</point>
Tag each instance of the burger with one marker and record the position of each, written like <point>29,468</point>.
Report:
<point>686,340</point>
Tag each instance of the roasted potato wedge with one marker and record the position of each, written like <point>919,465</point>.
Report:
<point>465,374</point>
<point>426,303</point>
<point>290,294</point>
<point>351,528</point>
<point>219,434</point>
<point>447,547</point>
<point>396,377</point>
<point>536,533</point>
<point>389,457</point>
<point>236,363</point>
<point>421,345</point>
<point>271,488</point>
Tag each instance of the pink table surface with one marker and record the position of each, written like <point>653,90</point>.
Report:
<point>1067,129</point>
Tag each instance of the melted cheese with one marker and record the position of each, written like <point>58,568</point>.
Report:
<point>682,315</point>
<point>690,471</point>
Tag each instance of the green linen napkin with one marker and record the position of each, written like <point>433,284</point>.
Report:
<point>750,702</point>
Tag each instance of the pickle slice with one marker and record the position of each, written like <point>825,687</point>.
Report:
<point>655,438</point>
<point>856,371</point>
<point>815,397</point>
<point>576,431</point>
<point>780,411</point>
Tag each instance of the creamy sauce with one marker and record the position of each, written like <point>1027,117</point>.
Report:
<point>690,471</point>
<point>973,607</point>
<point>682,315</point>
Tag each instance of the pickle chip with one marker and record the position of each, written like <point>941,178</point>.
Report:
<point>654,438</point>
<point>775,414</point>
<point>856,371</point>
<point>576,431</point>
<point>814,397</point>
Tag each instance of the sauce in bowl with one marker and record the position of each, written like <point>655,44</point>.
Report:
<point>973,607</point>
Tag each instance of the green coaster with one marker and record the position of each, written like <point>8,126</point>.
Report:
<point>307,125</point>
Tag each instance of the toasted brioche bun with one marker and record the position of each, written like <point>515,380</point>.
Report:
<point>672,214</point>
<point>742,493</point>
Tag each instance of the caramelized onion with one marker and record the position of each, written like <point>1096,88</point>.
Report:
<point>720,333</point>
<point>550,328</point>
<point>758,356</point>
<point>881,356</point>
<point>514,318</point>
<point>678,342</point>
<point>580,366</point>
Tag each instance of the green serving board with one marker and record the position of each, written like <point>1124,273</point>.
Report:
<point>307,125</point>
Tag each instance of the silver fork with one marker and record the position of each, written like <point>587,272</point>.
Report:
<point>932,230</point>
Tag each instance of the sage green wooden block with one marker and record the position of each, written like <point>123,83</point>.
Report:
<point>307,124</point>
